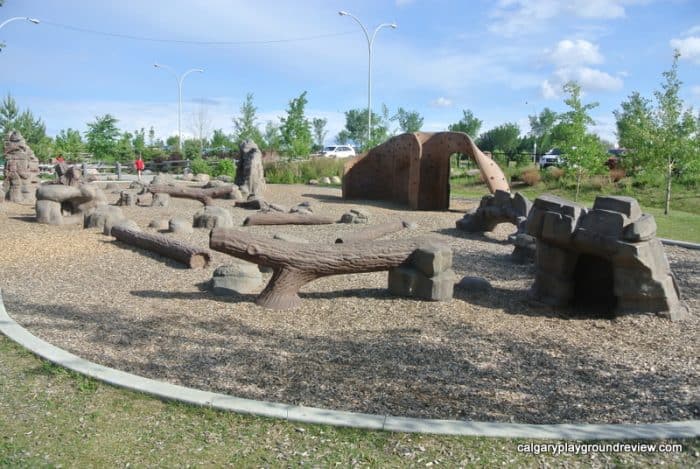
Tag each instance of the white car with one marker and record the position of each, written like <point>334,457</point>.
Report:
<point>338,151</point>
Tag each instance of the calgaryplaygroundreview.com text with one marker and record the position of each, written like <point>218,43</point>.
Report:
<point>586,448</point>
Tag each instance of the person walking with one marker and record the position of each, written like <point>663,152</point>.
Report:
<point>139,165</point>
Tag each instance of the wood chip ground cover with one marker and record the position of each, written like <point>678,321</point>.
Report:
<point>491,356</point>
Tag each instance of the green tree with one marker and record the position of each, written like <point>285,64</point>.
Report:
<point>504,139</point>
<point>125,148</point>
<point>409,121</point>
<point>244,126</point>
<point>272,138</point>
<point>635,122</point>
<point>139,142</point>
<point>319,125</point>
<point>467,124</point>
<point>541,126</point>
<point>296,129</point>
<point>102,137</point>
<point>222,144</point>
<point>672,146</point>
<point>356,128</point>
<point>173,143</point>
<point>192,148</point>
<point>583,151</point>
<point>69,144</point>
<point>32,128</point>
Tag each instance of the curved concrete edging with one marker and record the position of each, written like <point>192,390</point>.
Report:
<point>683,244</point>
<point>647,431</point>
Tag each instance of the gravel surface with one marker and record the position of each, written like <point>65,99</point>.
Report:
<point>492,356</point>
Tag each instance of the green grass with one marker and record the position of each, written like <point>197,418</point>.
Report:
<point>50,417</point>
<point>682,223</point>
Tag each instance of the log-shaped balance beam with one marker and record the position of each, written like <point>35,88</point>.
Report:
<point>193,256</point>
<point>279,218</point>
<point>373,232</point>
<point>296,264</point>
<point>206,196</point>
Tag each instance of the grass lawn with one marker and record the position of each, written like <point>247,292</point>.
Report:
<point>682,223</point>
<point>50,417</point>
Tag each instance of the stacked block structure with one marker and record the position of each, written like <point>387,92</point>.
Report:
<point>606,259</point>
<point>427,275</point>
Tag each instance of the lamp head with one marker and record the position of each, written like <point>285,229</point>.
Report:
<point>343,13</point>
<point>156,65</point>
<point>393,26</point>
<point>33,20</point>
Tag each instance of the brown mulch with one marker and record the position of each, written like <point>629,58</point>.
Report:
<point>493,356</point>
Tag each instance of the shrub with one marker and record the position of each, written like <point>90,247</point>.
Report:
<point>617,174</point>
<point>300,172</point>
<point>531,176</point>
<point>224,168</point>
<point>598,182</point>
<point>199,166</point>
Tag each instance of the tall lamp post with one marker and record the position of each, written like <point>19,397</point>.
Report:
<point>370,41</point>
<point>179,97</point>
<point>17,18</point>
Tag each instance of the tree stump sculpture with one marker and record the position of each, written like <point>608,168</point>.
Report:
<point>192,256</point>
<point>279,218</point>
<point>296,264</point>
<point>206,196</point>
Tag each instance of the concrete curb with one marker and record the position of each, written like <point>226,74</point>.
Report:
<point>683,244</point>
<point>647,431</point>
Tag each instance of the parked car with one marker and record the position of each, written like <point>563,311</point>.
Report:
<point>338,151</point>
<point>551,158</point>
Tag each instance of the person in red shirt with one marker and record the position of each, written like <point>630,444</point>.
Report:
<point>139,165</point>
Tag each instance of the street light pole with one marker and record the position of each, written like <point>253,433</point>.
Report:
<point>179,81</point>
<point>16,18</point>
<point>370,41</point>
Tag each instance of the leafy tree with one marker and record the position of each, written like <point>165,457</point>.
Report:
<point>320,132</point>
<point>634,123</point>
<point>244,126</point>
<point>272,138</point>
<point>102,137</point>
<point>584,152</point>
<point>139,142</point>
<point>675,129</point>
<point>125,148</point>
<point>467,124</point>
<point>69,144</point>
<point>356,128</point>
<point>32,129</point>
<point>503,139</point>
<point>173,143</point>
<point>541,126</point>
<point>192,148</point>
<point>221,143</point>
<point>409,121</point>
<point>296,129</point>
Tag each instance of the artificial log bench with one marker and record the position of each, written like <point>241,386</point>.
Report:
<point>373,232</point>
<point>206,196</point>
<point>296,264</point>
<point>279,218</point>
<point>193,256</point>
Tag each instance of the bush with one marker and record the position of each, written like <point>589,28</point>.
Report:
<point>617,174</point>
<point>199,166</point>
<point>300,172</point>
<point>224,168</point>
<point>531,176</point>
<point>554,174</point>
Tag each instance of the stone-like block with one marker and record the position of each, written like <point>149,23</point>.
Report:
<point>240,277</point>
<point>159,224</point>
<point>437,288</point>
<point>432,259</point>
<point>552,203</point>
<point>160,199</point>
<point>180,225</point>
<point>501,197</point>
<point>48,212</point>
<point>402,281</point>
<point>124,223</point>
<point>552,289</point>
<point>212,217</point>
<point>557,228</point>
<point>97,217</point>
<point>628,206</point>
<point>643,229</point>
<point>127,198</point>
<point>555,260</point>
<point>521,205</point>
<point>474,284</point>
<point>605,222</point>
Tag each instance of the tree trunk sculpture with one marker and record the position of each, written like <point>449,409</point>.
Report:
<point>193,256</point>
<point>372,232</point>
<point>279,218</point>
<point>206,196</point>
<point>296,264</point>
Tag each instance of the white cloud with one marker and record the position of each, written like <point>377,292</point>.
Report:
<point>695,90</point>
<point>570,53</point>
<point>514,17</point>
<point>692,31</point>
<point>549,91</point>
<point>441,102</point>
<point>688,47</point>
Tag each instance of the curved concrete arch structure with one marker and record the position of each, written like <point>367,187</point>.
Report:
<point>414,169</point>
<point>314,415</point>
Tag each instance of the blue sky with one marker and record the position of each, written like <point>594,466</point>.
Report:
<point>501,59</point>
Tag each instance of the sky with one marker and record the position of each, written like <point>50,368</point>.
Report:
<point>503,60</point>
